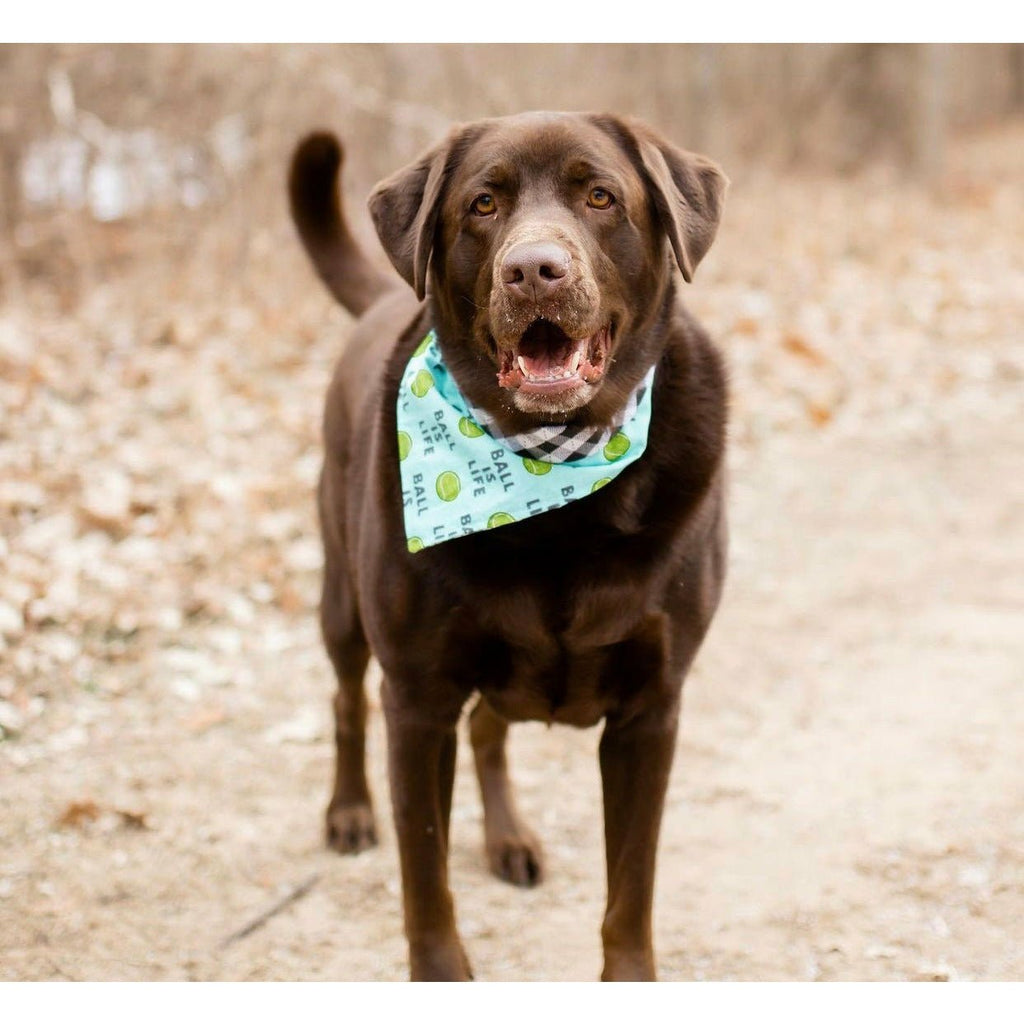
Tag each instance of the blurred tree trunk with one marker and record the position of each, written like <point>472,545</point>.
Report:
<point>707,93</point>
<point>11,144</point>
<point>1016,57</point>
<point>929,126</point>
<point>10,194</point>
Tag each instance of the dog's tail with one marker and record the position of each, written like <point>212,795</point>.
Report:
<point>318,214</point>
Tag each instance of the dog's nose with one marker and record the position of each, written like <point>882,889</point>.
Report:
<point>535,270</point>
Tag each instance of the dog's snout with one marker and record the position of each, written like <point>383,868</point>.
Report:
<point>534,270</point>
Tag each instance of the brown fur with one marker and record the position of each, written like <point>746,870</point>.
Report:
<point>594,611</point>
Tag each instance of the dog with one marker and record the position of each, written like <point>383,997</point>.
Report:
<point>543,252</point>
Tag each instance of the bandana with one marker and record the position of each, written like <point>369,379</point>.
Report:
<point>460,475</point>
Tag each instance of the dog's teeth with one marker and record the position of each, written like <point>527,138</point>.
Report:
<point>576,356</point>
<point>522,366</point>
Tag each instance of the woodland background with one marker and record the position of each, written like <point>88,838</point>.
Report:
<point>847,801</point>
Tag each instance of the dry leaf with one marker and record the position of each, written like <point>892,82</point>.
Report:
<point>289,600</point>
<point>78,814</point>
<point>746,325</point>
<point>134,820</point>
<point>820,414</point>
<point>798,346</point>
<point>205,718</point>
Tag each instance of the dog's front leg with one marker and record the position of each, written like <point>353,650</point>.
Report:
<point>421,762</point>
<point>636,758</point>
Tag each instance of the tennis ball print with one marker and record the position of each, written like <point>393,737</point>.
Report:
<point>536,467</point>
<point>469,429</point>
<point>617,446</point>
<point>422,383</point>
<point>448,486</point>
<point>414,544</point>
<point>423,345</point>
<point>404,445</point>
<point>500,519</point>
<point>598,484</point>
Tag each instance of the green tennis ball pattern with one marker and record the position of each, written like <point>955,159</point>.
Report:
<point>414,544</point>
<point>404,445</point>
<point>536,467</point>
<point>448,486</point>
<point>423,345</point>
<point>469,429</point>
<point>422,383</point>
<point>500,519</point>
<point>617,446</point>
<point>598,484</point>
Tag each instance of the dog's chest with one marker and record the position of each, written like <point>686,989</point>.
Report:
<point>569,656</point>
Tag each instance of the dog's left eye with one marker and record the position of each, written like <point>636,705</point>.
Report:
<point>600,199</point>
<point>484,205</point>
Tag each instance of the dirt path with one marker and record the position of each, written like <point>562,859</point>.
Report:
<point>847,801</point>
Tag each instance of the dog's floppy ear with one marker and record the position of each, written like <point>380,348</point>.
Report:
<point>405,208</point>
<point>688,190</point>
<point>689,194</point>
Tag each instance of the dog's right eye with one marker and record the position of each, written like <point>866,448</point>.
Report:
<point>484,205</point>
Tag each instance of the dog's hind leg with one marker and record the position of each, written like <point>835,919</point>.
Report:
<point>513,851</point>
<point>350,823</point>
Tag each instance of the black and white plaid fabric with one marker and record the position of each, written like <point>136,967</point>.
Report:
<point>563,442</point>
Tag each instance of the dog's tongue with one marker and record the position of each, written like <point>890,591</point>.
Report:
<point>549,361</point>
<point>546,352</point>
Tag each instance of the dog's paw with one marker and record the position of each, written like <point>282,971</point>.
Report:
<point>629,965</point>
<point>446,961</point>
<point>351,829</point>
<point>516,859</point>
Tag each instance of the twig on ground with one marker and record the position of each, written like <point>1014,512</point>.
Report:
<point>293,894</point>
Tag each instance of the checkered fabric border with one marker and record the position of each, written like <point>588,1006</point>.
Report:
<point>562,442</point>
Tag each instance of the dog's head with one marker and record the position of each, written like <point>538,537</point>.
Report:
<point>549,241</point>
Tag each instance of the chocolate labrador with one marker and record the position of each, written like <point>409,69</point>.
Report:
<point>542,322</point>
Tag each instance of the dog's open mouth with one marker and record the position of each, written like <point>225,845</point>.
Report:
<point>547,361</point>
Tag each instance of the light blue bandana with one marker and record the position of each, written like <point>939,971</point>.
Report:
<point>460,475</point>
